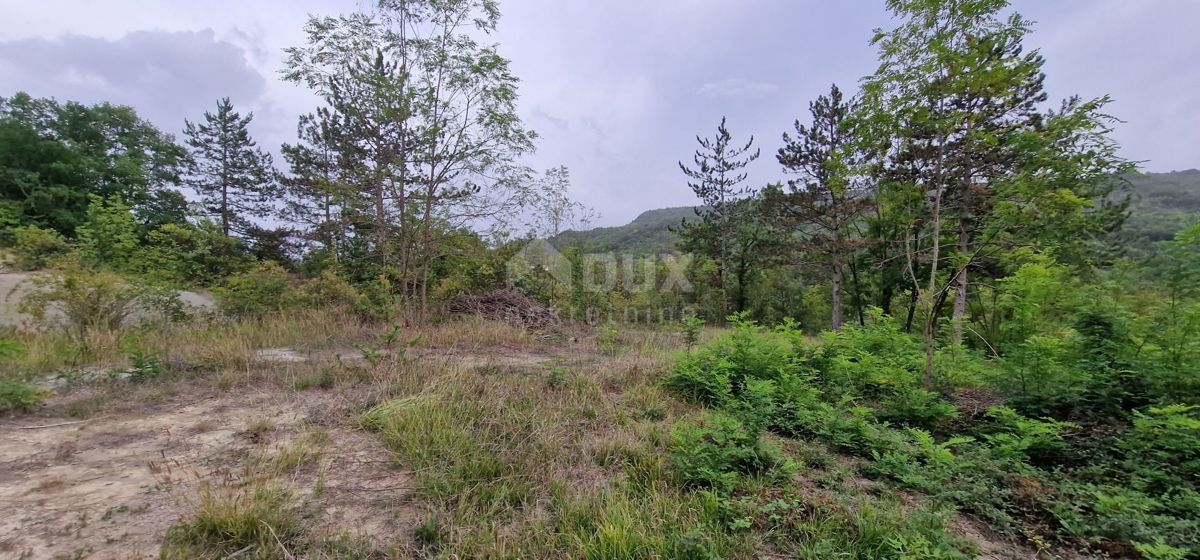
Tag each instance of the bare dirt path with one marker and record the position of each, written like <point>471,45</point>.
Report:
<point>110,487</point>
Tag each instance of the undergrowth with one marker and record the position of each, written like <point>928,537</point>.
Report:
<point>860,392</point>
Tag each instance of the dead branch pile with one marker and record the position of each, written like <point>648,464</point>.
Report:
<point>509,306</point>
<point>973,403</point>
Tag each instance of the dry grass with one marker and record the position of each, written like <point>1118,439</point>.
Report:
<point>230,345</point>
<point>471,332</point>
<point>507,459</point>
<point>502,455</point>
<point>208,344</point>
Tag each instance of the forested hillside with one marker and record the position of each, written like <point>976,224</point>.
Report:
<point>1162,204</point>
<point>649,233</point>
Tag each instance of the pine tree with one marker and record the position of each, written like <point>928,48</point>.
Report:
<point>233,177</point>
<point>827,200</point>
<point>717,180</point>
<point>316,195</point>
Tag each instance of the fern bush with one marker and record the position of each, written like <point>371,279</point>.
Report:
<point>860,391</point>
<point>715,453</point>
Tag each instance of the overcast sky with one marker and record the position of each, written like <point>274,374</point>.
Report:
<point>617,89</point>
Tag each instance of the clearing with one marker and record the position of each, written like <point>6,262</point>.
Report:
<point>480,440</point>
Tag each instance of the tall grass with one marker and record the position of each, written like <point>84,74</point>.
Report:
<point>255,521</point>
<point>202,343</point>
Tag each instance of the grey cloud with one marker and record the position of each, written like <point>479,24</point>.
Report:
<point>618,90</point>
<point>166,76</point>
<point>737,87</point>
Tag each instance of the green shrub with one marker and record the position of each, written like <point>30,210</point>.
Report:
<point>704,381</point>
<point>1135,491</point>
<point>691,325</point>
<point>868,530</point>
<point>1164,445</point>
<point>716,453</point>
<point>108,236</point>
<point>144,364</point>
<point>163,304</point>
<point>1039,376</point>
<point>19,397</point>
<point>914,406</point>
<point>1101,513</point>
<point>376,302</point>
<point>325,290</point>
<point>192,254</point>
<point>718,371</point>
<point>608,339</point>
<point>255,292</point>
<point>1159,550</point>
<point>35,248</point>
<point>12,216</point>
<point>787,406</point>
<point>82,301</point>
<point>1020,439</point>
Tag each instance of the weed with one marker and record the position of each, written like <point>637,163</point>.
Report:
<point>16,396</point>
<point>322,378</point>
<point>145,365</point>
<point>295,456</point>
<point>258,428</point>
<point>429,533</point>
<point>608,339</point>
<point>226,381</point>
<point>716,453</point>
<point>258,522</point>
<point>691,325</point>
<point>556,377</point>
<point>51,484</point>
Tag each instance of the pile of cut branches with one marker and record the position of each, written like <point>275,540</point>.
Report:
<point>509,306</point>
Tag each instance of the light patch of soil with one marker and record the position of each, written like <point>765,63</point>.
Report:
<point>499,357</point>
<point>279,356</point>
<point>111,486</point>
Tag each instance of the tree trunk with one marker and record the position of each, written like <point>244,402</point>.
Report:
<point>858,305</point>
<point>740,303</point>
<point>960,292</point>
<point>836,320</point>
<point>930,334</point>
<point>225,210</point>
<point>380,221</point>
<point>912,307</point>
<point>886,291</point>
<point>935,256</point>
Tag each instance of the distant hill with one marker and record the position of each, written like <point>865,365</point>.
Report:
<point>649,233</point>
<point>1163,204</point>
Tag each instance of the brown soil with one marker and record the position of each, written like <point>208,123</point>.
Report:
<point>109,487</point>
